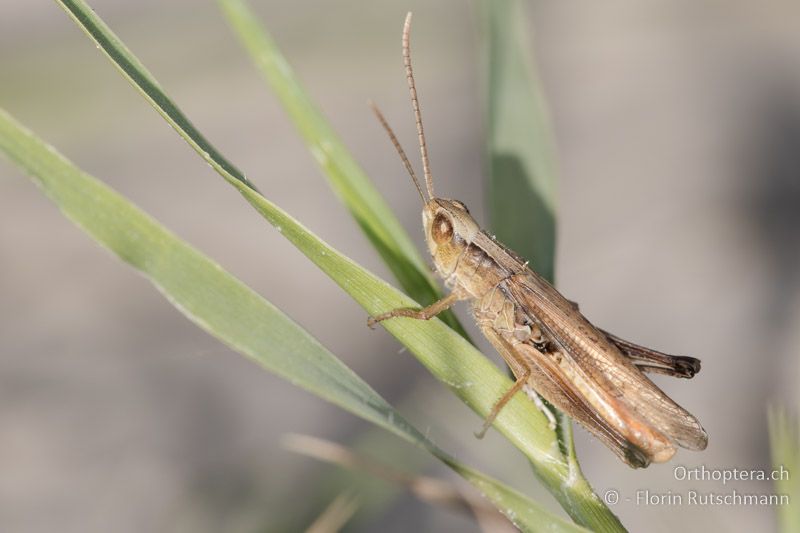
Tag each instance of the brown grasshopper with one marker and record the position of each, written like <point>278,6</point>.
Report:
<point>593,376</point>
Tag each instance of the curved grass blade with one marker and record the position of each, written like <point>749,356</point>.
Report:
<point>446,354</point>
<point>336,515</point>
<point>138,75</point>
<point>784,440</point>
<point>521,165</point>
<point>344,174</point>
<point>229,310</point>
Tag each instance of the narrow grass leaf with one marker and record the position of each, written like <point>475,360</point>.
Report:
<point>226,308</point>
<point>138,75</point>
<point>522,175</point>
<point>784,439</point>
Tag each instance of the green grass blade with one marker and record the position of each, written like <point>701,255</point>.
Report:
<point>784,438</point>
<point>229,310</point>
<point>522,175</point>
<point>344,174</point>
<point>447,355</point>
<point>138,75</point>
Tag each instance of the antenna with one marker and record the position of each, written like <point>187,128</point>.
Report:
<point>397,147</point>
<point>423,148</point>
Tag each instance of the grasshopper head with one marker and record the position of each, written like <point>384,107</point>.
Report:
<point>449,229</point>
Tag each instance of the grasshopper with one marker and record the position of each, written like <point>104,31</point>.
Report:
<point>591,375</point>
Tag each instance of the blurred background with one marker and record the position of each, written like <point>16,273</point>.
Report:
<point>678,133</point>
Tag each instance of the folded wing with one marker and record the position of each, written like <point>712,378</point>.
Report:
<point>590,366</point>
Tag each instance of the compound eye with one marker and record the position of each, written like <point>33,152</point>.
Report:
<point>442,229</point>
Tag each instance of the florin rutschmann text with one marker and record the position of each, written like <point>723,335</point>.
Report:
<point>695,497</point>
